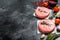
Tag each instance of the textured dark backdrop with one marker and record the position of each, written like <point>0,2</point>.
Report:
<point>17,21</point>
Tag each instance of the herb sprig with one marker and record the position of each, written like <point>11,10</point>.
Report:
<point>45,23</point>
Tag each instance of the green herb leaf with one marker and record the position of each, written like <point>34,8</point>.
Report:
<point>44,23</point>
<point>51,17</point>
<point>52,36</point>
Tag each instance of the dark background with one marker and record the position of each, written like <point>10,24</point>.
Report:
<point>17,21</point>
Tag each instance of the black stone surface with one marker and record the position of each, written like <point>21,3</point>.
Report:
<point>17,21</point>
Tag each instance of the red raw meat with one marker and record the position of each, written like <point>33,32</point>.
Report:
<point>42,12</point>
<point>46,28</point>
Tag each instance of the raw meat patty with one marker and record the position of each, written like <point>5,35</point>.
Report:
<point>42,12</point>
<point>46,26</point>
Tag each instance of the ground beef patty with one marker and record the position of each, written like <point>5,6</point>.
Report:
<point>46,26</point>
<point>42,12</point>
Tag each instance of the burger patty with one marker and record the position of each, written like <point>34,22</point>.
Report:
<point>46,26</point>
<point>42,12</point>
